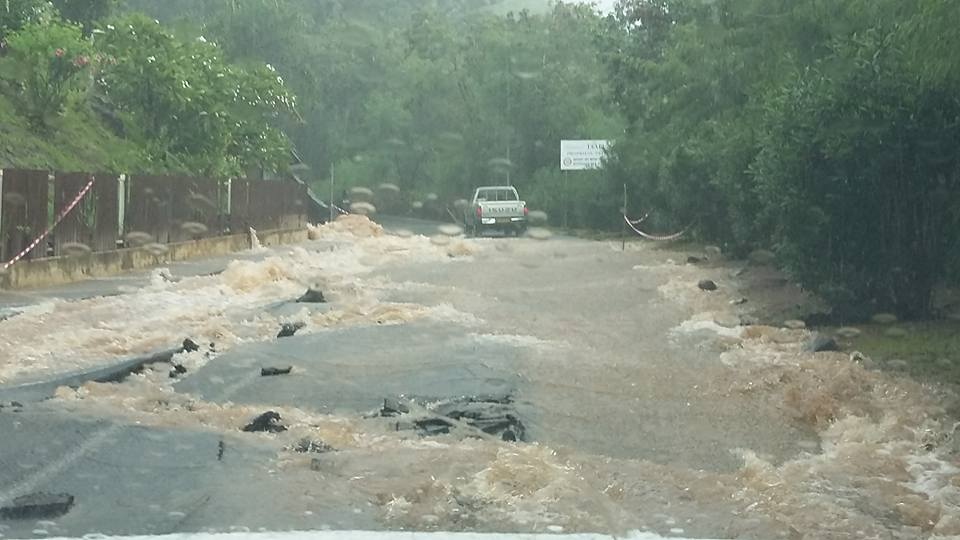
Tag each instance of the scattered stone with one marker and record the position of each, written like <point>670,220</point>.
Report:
<point>177,370</point>
<point>16,404</point>
<point>267,422</point>
<point>895,332</point>
<point>738,301</point>
<point>884,318</point>
<point>221,446</point>
<point>308,446</point>
<point>848,332</point>
<point>312,296</point>
<point>794,324</point>
<point>38,506</point>
<point>273,372</point>
<point>820,343</point>
<point>713,251</point>
<point>190,345</point>
<point>695,260</point>
<point>707,285</point>
<point>763,257</point>
<point>290,329</point>
<point>316,464</point>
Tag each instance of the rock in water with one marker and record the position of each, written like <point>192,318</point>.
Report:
<point>290,329</point>
<point>267,422</point>
<point>312,296</point>
<point>273,372</point>
<point>794,324</point>
<point>38,506</point>
<point>707,285</point>
<point>820,343</point>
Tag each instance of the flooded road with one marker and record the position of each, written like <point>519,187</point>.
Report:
<point>644,403</point>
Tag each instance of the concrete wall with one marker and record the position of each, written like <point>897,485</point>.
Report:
<point>59,270</point>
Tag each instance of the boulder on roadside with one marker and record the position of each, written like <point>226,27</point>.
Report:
<point>895,332</point>
<point>707,285</point>
<point>818,343</point>
<point>848,332</point>
<point>794,324</point>
<point>884,318</point>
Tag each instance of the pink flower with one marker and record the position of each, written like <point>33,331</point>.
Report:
<point>58,53</point>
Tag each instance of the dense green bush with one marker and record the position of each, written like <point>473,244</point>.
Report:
<point>185,102</point>
<point>48,63</point>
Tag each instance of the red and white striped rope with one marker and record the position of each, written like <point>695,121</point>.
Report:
<point>653,237</point>
<point>63,213</point>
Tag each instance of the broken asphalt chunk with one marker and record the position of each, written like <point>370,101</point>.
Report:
<point>272,371</point>
<point>393,407</point>
<point>190,345</point>
<point>38,506</point>
<point>268,422</point>
<point>312,296</point>
<point>177,370</point>
<point>290,329</point>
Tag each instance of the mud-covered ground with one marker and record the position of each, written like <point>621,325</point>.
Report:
<point>646,403</point>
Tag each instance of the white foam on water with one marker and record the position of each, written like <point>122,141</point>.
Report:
<point>60,336</point>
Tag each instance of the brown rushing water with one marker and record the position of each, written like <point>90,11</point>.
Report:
<point>643,412</point>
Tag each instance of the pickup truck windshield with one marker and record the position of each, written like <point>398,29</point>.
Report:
<point>496,195</point>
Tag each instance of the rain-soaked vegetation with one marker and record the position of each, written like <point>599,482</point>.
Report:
<point>825,132</point>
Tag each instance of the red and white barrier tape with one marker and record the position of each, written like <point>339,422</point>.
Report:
<point>650,236</point>
<point>63,213</point>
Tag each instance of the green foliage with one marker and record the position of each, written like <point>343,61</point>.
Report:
<point>860,173</point>
<point>821,129</point>
<point>185,103</point>
<point>84,12</point>
<point>48,63</point>
<point>15,14</point>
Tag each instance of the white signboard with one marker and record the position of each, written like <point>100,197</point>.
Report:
<point>582,155</point>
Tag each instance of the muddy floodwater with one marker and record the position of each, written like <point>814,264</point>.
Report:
<point>638,400</point>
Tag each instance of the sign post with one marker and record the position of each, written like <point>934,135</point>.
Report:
<point>580,155</point>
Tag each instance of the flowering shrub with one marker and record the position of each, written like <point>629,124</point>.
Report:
<point>48,61</point>
<point>183,100</point>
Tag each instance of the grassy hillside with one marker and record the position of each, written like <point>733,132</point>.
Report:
<point>76,141</point>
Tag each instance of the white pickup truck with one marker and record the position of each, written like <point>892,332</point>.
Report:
<point>496,208</point>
